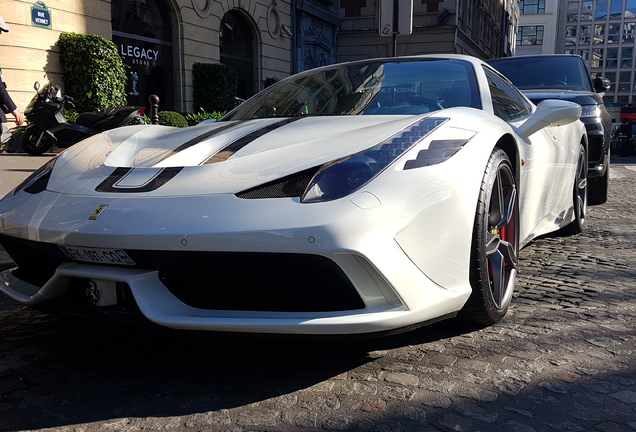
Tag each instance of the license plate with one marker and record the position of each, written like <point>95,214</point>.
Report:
<point>95,255</point>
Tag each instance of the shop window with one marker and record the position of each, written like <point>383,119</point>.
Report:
<point>142,32</point>
<point>238,50</point>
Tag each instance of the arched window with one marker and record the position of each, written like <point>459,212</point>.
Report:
<point>142,31</point>
<point>238,49</point>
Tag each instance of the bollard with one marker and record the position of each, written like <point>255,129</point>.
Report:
<point>154,109</point>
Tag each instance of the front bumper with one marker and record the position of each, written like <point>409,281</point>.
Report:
<point>337,272</point>
<point>598,147</point>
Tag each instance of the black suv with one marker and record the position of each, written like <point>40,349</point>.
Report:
<point>564,76</point>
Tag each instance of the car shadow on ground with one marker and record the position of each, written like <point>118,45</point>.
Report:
<point>87,371</point>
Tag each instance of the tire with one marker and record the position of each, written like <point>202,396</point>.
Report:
<point>34,141</point>
<point>495,244</point>
<point>580,190</point>
<point>598,189</point>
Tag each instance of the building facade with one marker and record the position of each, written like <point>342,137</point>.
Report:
<point>536,33</point>
<point>602,32</point>
<point>482,28</point>
<point>159,40</point>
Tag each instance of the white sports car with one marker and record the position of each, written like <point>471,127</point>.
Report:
<point>355,198</point>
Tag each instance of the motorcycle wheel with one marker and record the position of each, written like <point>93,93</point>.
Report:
<point>35,141</point>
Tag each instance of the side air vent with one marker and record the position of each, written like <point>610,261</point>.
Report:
<point>438,152</point>
<point>287,187</point>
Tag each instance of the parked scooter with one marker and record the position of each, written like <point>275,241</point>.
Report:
<point>49,127</point>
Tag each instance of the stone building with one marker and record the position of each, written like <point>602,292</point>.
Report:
<point>159,39</point>
<point>482,28</point>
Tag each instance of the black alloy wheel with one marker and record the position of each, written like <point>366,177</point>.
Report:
<point>579,201</point>
<point>495,244</point>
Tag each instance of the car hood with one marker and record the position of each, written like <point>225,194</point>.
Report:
<point>579,97</point>
<point>221,157</point>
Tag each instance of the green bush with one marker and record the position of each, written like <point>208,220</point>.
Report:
<point>214,87</point>
<point>94,72</point>
<point>270,81</point>
<point>172,118</point>
<point>195,118</point>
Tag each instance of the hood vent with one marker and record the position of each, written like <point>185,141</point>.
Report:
<point>293,185</point>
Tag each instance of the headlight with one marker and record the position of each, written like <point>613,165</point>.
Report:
<point>344,176</point>
<point>37,181</point>
<point>590,111</point>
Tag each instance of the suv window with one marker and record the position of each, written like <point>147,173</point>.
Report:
<point>508,102</point>
<point>554,72</point>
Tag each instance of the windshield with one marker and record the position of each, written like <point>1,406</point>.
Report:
<point>548,72</point>
<point>367,88</point>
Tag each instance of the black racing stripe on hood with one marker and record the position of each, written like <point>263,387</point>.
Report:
<point>200,138</point>
<point>161,179</point>
<point>226,152</point>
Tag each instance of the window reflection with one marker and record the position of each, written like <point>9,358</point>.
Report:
<point>573,11</point>
<point>624,81</point>
<point>616,9</point>
<point>599,33</point>
<point>611,61</point>
<point>586,11</point>
<point>597,58</point>
<point>585,54</point>
<point>530,35</point>
<point>626,57</point>
<point>584,35</point>
<point>628,32</point>
<point>601,9</point>
<point>570,35</point>
<point>613,33</point>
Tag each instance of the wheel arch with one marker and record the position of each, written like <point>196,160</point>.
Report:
<point>508,144</point>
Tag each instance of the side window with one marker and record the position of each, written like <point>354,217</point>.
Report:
<point>508,102</point>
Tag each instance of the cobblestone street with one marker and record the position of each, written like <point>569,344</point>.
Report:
<point>563,359</point>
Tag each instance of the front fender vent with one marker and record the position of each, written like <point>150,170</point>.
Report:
<point>437,152</point>
<point>291,186</point>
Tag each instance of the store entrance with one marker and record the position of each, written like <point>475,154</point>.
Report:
<point>142,32</point>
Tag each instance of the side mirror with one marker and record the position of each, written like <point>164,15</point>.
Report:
<point>550,112</point>
<point>601,84</point>
<point>36,86</point>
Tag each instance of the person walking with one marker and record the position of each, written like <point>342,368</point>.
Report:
<point>6,104</point>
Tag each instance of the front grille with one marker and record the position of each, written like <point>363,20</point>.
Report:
<point>246,281</point>
<point>261,282</point>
